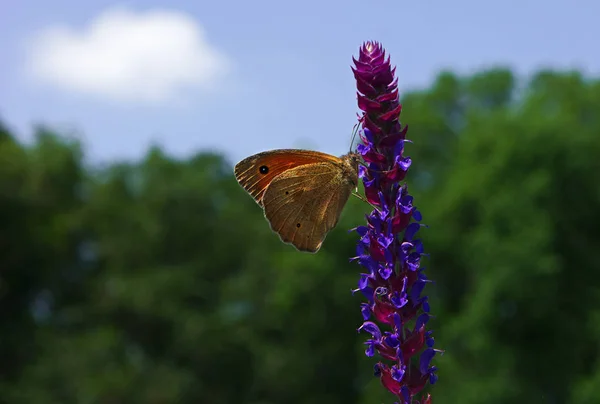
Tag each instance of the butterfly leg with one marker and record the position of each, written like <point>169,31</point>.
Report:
<point>372,169</point>
<point>362,198</point>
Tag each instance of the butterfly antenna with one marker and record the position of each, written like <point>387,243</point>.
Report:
<point>354,133</point>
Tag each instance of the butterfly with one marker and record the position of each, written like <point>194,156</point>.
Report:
<point>302,192</point>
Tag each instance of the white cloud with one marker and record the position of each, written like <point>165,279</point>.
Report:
<point>124,55</point>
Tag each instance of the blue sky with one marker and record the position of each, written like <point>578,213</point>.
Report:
<point>245,76</point>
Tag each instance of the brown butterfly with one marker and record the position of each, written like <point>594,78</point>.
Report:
<point>302,192</point>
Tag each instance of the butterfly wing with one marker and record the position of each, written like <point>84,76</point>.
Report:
<point>256,172</point>
<point>304,203</point>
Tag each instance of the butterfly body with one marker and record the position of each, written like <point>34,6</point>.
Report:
<point>302,192</point>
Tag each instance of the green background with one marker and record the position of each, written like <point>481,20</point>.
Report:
<point>159,281</point>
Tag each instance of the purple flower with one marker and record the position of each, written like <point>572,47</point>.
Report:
<point>395,312</point>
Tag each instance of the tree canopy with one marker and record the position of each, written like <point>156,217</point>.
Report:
<point>159,281</point>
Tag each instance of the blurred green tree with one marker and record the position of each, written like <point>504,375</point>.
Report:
<point>159,281</point>
<point>514,255</point>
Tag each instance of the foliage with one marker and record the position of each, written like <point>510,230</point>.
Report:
<point>159,282</point>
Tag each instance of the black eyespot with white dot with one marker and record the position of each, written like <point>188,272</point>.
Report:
<point>298,225</point>
<point>263,169</point>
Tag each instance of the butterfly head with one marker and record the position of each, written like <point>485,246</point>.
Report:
<point>351,162</point>
<point>352,158</point>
